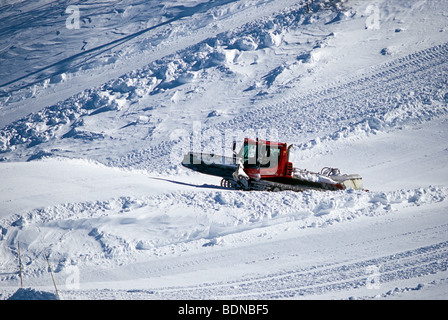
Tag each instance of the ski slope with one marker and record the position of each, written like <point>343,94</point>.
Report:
<point>94,123</point>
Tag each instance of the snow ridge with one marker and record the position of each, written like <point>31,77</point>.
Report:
<point>67,119</point>
<point>199,218</point>
<point>402,92</point>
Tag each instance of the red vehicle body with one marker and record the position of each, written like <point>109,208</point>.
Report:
<point>266,159</point>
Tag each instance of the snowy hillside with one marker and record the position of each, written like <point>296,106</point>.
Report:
<point>99,101</point>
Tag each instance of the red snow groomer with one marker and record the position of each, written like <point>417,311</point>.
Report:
<point>265,166</point>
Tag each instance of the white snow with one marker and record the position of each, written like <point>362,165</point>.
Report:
<point>94,123</point>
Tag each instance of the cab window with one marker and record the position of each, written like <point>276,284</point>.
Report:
<point>250,154</point>
<point>269,157</point>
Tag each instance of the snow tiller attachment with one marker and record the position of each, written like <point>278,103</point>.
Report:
<point>264,165</point>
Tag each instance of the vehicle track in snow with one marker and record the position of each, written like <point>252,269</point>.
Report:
<point>408,84</point>
<point>382,274</point>
<point>324,279</point>
<point>405,90</point>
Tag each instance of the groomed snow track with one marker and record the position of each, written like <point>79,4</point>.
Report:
<point>406,90</point>
<point>317,281</point>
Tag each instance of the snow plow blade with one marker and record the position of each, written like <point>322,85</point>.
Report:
<point>210,164</point>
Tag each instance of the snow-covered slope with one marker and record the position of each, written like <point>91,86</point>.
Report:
<point>94,122</point>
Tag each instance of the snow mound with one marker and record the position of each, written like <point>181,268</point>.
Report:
<point>31,294</point>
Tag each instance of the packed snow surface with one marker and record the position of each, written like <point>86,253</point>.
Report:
<point>99,101</point>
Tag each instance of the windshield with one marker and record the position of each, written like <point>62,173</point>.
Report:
<point>268,157</point>
<point>250,152</point>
